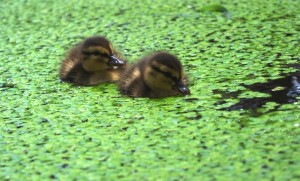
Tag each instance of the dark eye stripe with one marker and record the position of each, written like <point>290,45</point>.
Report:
<point>95,53</point>
<point>167,74</point>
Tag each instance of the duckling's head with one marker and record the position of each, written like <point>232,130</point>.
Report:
<point>163,73</point>
<point>98,55</point>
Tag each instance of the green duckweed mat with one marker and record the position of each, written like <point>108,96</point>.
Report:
<point>54,131</point>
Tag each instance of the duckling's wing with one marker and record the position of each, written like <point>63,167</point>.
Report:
<point>137,88</point>
<point>78,76</point>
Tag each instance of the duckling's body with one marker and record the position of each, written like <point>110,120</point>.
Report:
<point>91,62</point>
<point>155,76</point>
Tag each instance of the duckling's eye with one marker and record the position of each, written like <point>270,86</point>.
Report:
<point>167,74</point>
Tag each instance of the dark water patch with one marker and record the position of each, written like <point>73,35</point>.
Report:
<point>278,17</point>
<point>281,91</point>
<point>191,114</point>
<point>192,99</point>
<point>121,12</point>
<point>7,85</point>
<point>44,120</point>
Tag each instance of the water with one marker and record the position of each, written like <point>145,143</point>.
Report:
<point>284,90</point>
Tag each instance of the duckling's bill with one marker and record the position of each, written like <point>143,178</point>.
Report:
<point>114,61</point>
<point>182,89</point>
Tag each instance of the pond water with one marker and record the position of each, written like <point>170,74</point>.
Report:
<point>241,121</point>
<point>285,90</point>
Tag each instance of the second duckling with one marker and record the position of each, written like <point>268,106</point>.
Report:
<point>91,62</point>
<point>155,76</point>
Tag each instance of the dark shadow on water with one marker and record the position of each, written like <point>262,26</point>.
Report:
<point>282,91</point>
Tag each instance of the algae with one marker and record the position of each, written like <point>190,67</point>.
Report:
<point>55,131</point>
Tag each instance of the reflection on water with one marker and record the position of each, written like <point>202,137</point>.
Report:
<point>295,90</point>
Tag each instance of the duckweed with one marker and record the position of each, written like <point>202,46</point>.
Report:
<point>55,131</point>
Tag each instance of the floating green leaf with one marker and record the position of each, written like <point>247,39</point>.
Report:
<point>217,8</point>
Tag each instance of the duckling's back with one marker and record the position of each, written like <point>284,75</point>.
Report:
<point>70,63</point>
<point>132,82</point>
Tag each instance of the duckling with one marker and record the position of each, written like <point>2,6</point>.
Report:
<point>295,90</point>
<point>91,62</point>
<point>155,76</point>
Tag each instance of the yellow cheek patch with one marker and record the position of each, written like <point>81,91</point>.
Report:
<point>92,65</point>
<point>96,59</point>
<point>166,69</point>
<point>105,60</point>
<point>157,81</point>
